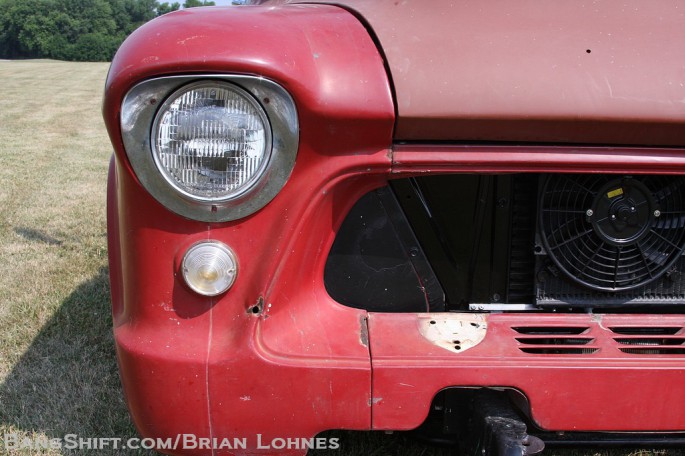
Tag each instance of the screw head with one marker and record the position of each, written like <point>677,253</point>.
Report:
<point>589,212</point>
<point>657,213</point>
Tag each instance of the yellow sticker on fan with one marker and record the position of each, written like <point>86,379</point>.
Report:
<point>615,193</point>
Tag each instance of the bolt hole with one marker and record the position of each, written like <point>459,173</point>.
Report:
<point>588,50</point>
<point>267,100</point>
<point>255,309</point>
<point>457,347</point>
<point>457,342</point>
<point>475,325</point>
<point>432,322</point>
<point>538,249</point>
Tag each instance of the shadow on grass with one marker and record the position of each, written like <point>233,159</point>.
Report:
<point>67,381</point>
<point>37,235</point>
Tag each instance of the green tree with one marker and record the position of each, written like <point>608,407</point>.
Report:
<point>24,28</point>
<point>194,3</point>
<point>74,29</point>
<point>94,47</point>
<point>87,16</point>
<point>166,7</point>
<point>131,14</point>
<point>44,35</point>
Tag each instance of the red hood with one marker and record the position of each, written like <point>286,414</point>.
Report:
<point>605,72</point>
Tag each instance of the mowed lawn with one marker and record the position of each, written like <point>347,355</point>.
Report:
<point>58,371</point>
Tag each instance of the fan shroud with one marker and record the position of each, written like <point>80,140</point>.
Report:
<point>613,233</point>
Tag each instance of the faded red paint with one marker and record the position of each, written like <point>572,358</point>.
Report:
<point>608,72</point>
<point>569,392</point>
<point>209,366</point>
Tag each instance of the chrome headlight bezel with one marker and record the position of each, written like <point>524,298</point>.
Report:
<point>138,115</point>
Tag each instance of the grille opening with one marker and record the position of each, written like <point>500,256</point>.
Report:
<point>558,351</point>
<point>550,330</point>
<point>654,351</point>
<point>522,242</point>
<point>647,330</point>
<point>554,341</point>
<point>651,341</point>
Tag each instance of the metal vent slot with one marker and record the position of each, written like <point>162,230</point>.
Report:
<point>647,330</point>
<point>651,341</point>
<point>654,351</point>
<point>554,340</point>
<point>551,330</point>
<point>558,350</point>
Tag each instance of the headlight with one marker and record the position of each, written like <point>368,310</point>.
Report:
<point>210,148</point>
<point>211,141</point>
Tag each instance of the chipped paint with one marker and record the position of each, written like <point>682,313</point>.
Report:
<point>191,38</point>
<point>597,318</point>
<point>375,400</point>
<point>454,332</point>
<point>167,306</point>
<point>150,59</point>
<point>364,332</point>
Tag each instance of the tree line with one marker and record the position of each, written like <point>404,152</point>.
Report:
<point>81,30</point>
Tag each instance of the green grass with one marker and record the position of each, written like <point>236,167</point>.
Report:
<point>58,372</point>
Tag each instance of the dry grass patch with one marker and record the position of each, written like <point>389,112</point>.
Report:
<point>57,364</point>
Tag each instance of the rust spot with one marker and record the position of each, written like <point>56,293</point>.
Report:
<point>257,308</point>
<point>364,331</point>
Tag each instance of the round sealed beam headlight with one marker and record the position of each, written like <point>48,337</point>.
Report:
<point>209,268</point>
<point>211,141</point>
<point>213,148</point>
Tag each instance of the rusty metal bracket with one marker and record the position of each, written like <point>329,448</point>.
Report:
<point>497,430</point>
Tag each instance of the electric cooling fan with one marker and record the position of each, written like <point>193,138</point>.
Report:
<point>612,233</point>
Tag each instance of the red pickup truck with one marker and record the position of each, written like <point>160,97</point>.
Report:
<point>465,218</point>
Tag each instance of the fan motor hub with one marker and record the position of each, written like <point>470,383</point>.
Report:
<point>623,212</point>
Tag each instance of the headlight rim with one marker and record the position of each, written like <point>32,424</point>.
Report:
<point>139,108</point>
